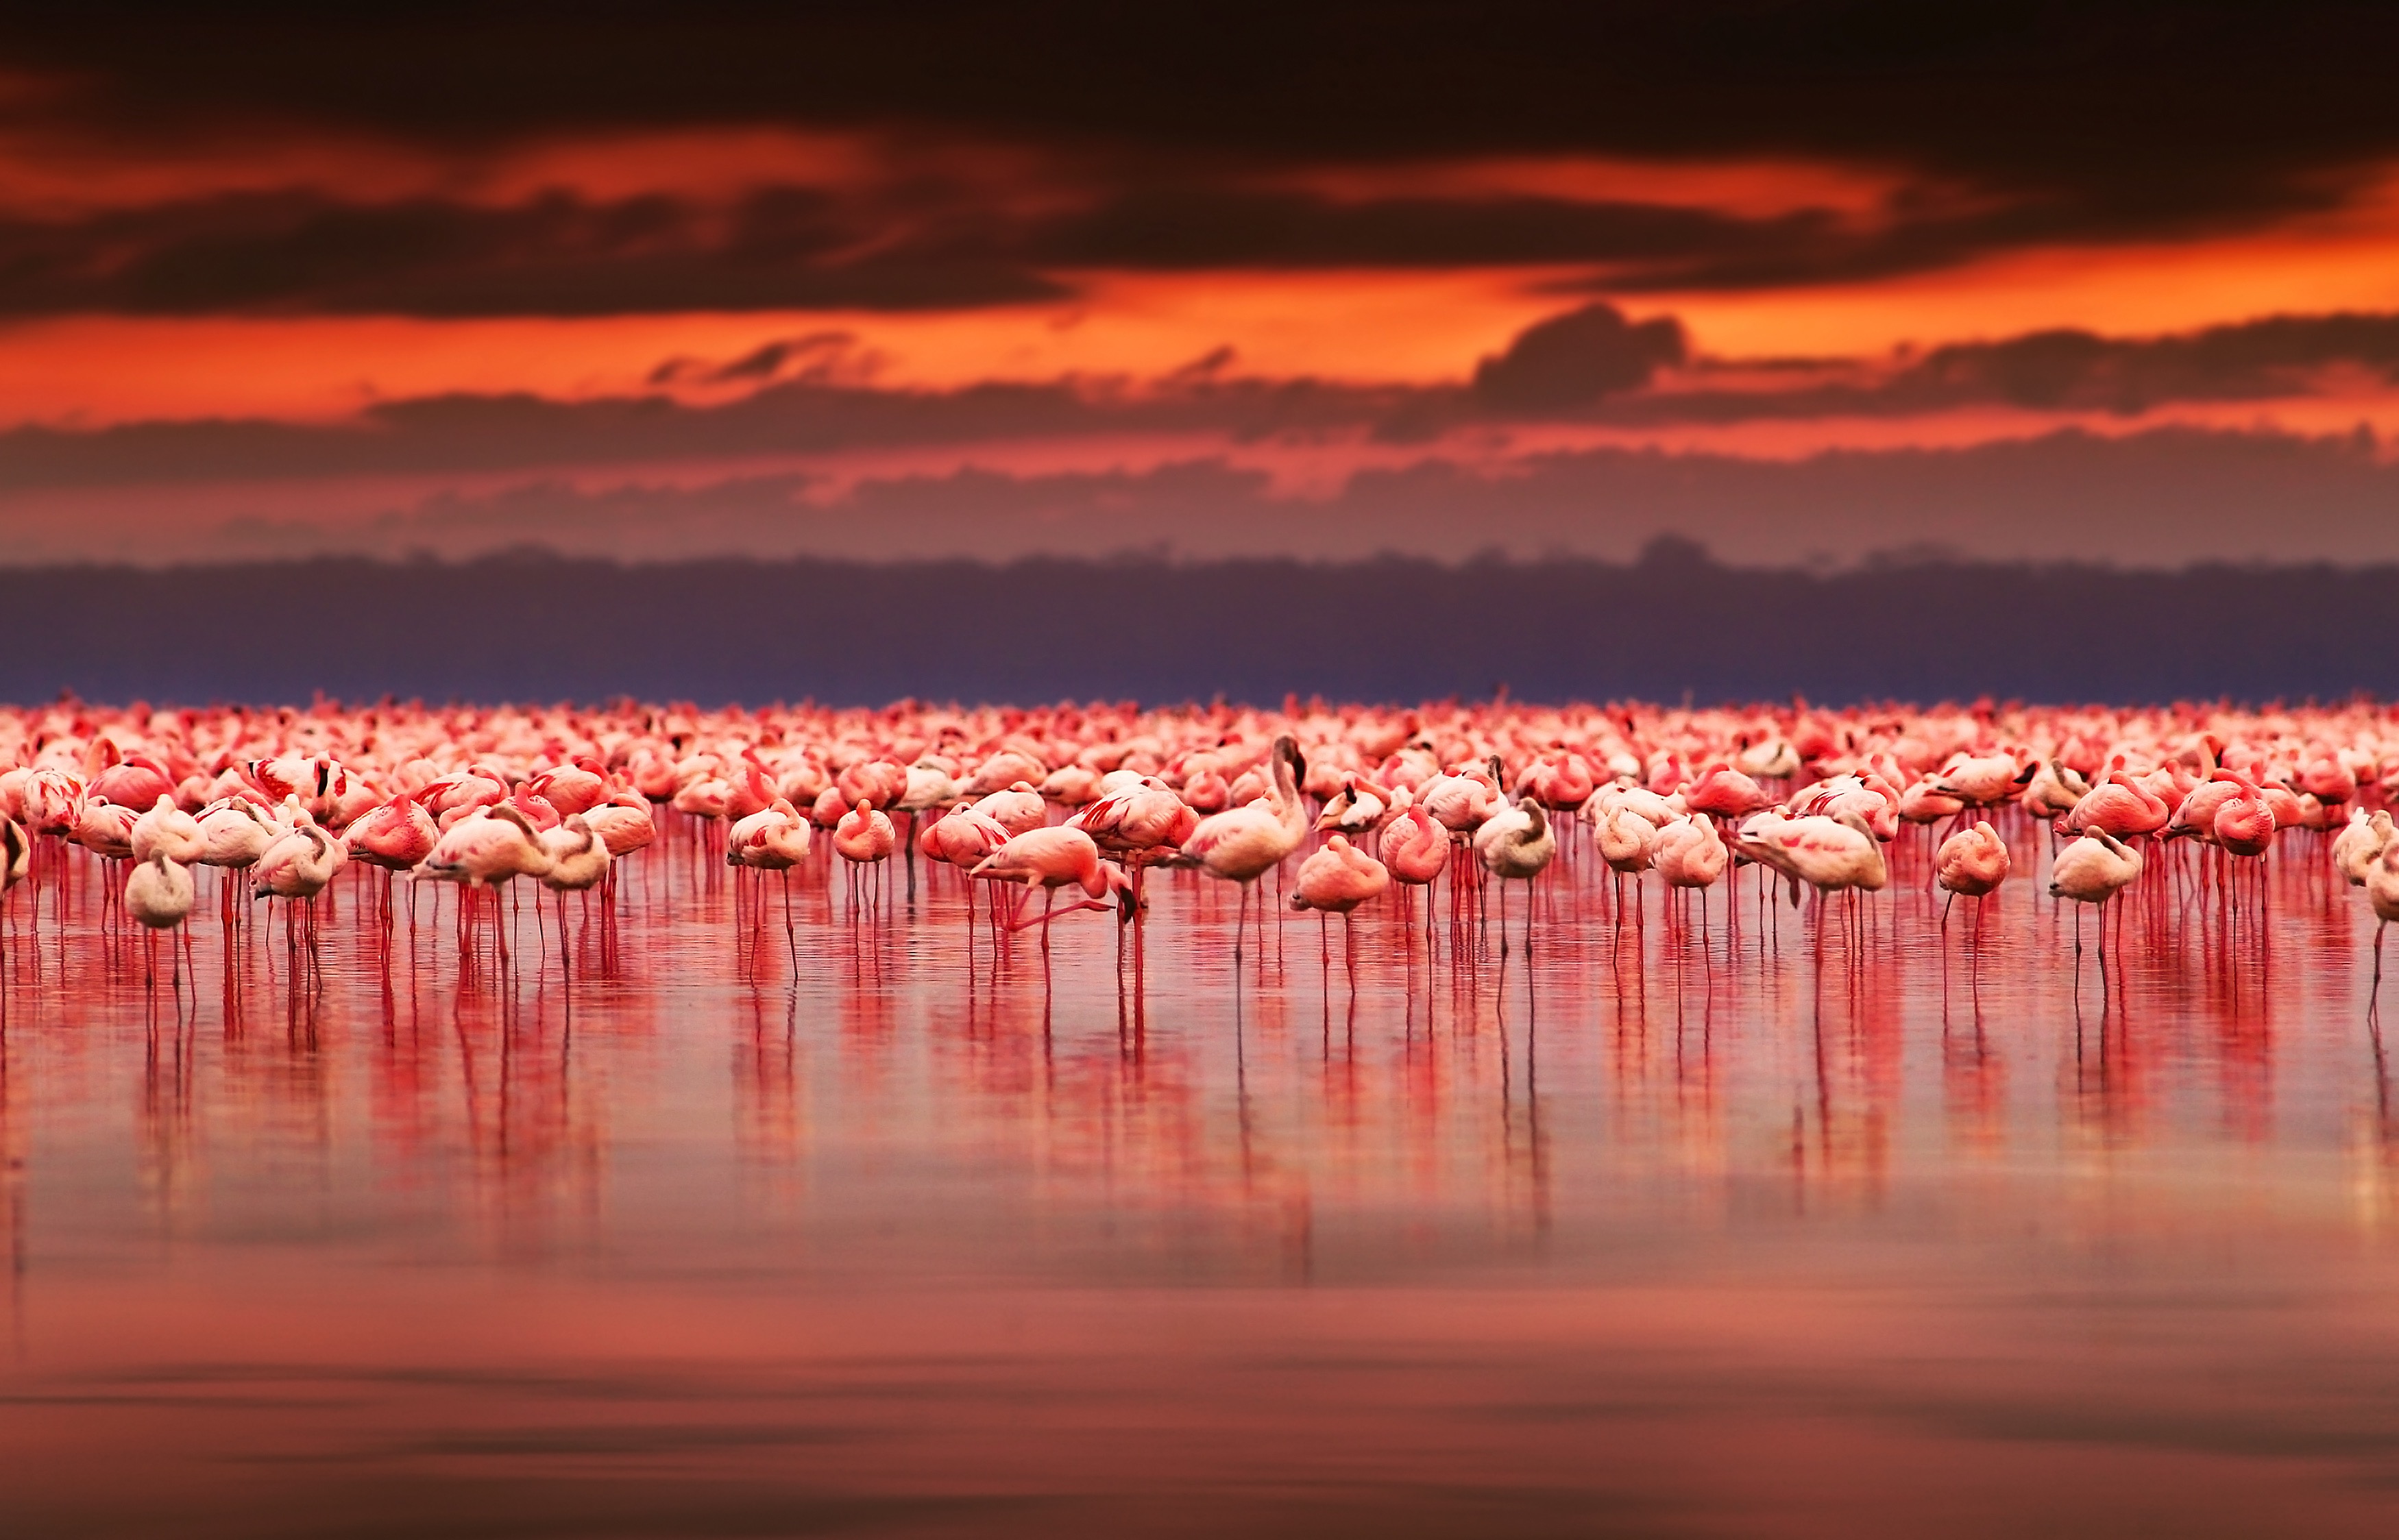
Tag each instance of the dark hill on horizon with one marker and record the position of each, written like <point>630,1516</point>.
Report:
<point>1673,624</point>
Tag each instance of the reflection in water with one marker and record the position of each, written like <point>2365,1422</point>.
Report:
<point>1736,1220</point>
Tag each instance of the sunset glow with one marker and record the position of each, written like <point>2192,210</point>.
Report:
<point>266,300</point>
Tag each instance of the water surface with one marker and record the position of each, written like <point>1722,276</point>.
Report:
<point>1666,1232</point>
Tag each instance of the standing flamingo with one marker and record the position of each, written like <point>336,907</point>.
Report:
<point>577,860</point>
<point>1335,881</point>
<point>158,894</point>
<point>2382,896</point>
<point>1415,852</point>
<point>863,838</point>
<point>1517,845</point>
<point>1243,844</point>
<point>1047,859</point>
<point>2091,870</point>
<point>1972,862</point>
<point>2359,842</point>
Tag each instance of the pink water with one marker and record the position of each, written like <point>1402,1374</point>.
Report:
<point>1656,1236</point>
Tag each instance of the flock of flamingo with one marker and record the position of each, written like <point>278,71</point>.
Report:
<point>1088,802</point>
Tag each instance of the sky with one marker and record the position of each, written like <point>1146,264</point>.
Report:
<point>1813,284</point>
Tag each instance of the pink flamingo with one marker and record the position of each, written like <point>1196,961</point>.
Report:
<point>1243,844</point>
<point>2091,870</point>
<point>1972,862</point>
<point>1336,879</point>
<point>1047,859</point>
<point>1416,851</point>
<point>863,838</point>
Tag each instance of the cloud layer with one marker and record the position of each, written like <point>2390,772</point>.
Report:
<point>1806,281</point>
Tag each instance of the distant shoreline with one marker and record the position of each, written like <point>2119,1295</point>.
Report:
<point>537,625</point>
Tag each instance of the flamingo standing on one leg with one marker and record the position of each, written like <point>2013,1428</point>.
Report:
<point>2382,894</point>
<point>1972,862</point>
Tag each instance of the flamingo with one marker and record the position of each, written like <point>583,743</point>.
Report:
<point>624,822</point>
<point>136,782</point>
<point>2382,896</point>
<point>2053,789</point>
<point>577,860</point>
<point>1336,879</point>
<point>862,838</point>
<point>1830,854</point>
<point>2091,870</point>
<point>483,853</point>
<point>1140,823</point>
<point>1360,808</point>
<point>53,799</point>
<point>393,837</point>
<point>1983,780</point>
<point>1047,859</point>
<point>167,830</point>
<point>773,839</point>
<point>1627,842</point>
<point>1243,844</point>
<point>1972,862</point>
<point>16,861</point>
<point>1016,807</point>
<point>158,894</point>
<point>928,784</point>
<point>1414,850</point>
<point>1517,845</point>
<point>1724,792</point>
<point>2120,805</point>
<point>1688,853</point>
<point>235,833</point>
<point>2360,841</point>
<point>570,789</point>
<point>295,868</point>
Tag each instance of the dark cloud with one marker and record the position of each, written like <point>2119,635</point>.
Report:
<point>1576,358</point>
<point>2273,358</point>
<point>1192,226</point>
<point>933,245</point>
<point>466,433</point>
<point>2152,113</point>
<point>818,358</point>
<point>555,254</point>
<point>2067,370</point>
<point>1589,365</point>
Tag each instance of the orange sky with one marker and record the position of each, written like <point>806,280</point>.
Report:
<point>282,262</point>
<point>1352,324</point>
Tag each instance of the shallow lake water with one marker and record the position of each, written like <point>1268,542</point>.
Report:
<point>1775,1225</point>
